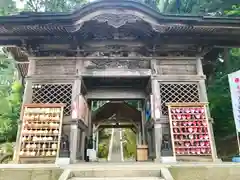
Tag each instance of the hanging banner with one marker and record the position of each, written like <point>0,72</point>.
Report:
<point>80,109</point>
<point>234,83</point>
<point>148,110</point>
<point>152,104</point>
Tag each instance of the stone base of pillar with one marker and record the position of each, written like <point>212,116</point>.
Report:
<point>168,159</point>
<point>158,141</point>
<point>62,161</point>
<point>73,143</point>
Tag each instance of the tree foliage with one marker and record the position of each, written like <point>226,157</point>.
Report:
<point>7,7</point>
<point>10,88</point>
<point>219,95</point>
<point>103,146</point>
<point>53,5</point>
<point>10,98</point>
<point>218,89</point>
<point>130,144</point>
<point>235,11</point>
<point>195,7</point>
<point>221,106</point>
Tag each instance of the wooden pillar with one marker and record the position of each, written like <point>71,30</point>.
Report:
<point>27,98</point>
<point>97,141</point>
<point>150,144</point>
<point>83,136</point>
<point>157,114</point>
<point>156,100</point>
<point>143,121</point>
<point>94,137</point>
<point>90,126</point>
<point>73,141</point>
<point>204,98</point>
<point>79,154</point>
<point>137,137</point>
<point>140,136</point>
<point>226,58</point>
<point>74,126</point>
<point>158,141</point>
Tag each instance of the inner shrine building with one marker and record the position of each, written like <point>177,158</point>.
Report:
<point>114,51</point>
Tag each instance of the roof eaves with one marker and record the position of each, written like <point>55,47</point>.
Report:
<point>69,18</point>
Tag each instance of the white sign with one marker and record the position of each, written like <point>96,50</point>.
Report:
<point>234,83</point>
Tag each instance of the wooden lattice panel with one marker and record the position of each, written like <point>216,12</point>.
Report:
<point>55,67</point>
<point>181,92</point>
<point>53,93</point>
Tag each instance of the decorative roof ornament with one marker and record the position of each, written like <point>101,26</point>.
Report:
<point>117,20</point>
<point>151,3</point>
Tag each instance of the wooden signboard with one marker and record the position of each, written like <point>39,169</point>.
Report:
<point>41,133</point>
<point>190,129</point>
<point>80,109</point>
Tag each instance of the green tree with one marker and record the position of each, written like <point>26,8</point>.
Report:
<point>195,7</point>
<point>235,11</point>
<point>7,71</point>
<point>220,98</point>
<point>53,5</point>
<point>103,146</point>
<point>10,98</point>
<point>130,143</point>
<point>10,89</point>
<point>7,7</point>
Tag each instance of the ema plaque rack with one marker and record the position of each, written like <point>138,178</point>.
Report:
<point>40,133</point>
<point>190,131</point>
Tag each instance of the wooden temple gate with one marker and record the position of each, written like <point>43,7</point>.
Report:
<point>49,87</point>
<point>111,55</point>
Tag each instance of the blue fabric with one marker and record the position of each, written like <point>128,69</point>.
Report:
<point>148,115</point>
<point>178,3</point>
<point>236,159</point>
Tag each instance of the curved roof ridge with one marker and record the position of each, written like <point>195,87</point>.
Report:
<point>70,17</point>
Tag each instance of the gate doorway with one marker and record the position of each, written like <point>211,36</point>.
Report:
<point>117,130</point>
<point>117,116</point>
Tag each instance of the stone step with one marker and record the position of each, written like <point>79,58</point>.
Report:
<point>117,178</point>
<point>97,173</point>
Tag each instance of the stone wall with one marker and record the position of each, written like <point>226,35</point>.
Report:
<point>30,173</point>
<point>183,171</point>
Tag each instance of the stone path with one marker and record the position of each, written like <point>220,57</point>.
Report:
<point>116,147</point>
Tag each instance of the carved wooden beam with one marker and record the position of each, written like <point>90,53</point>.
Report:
<point>179,78</point>
<point>113,58</point>
<point>117,73</point>
<point>115,94</point>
